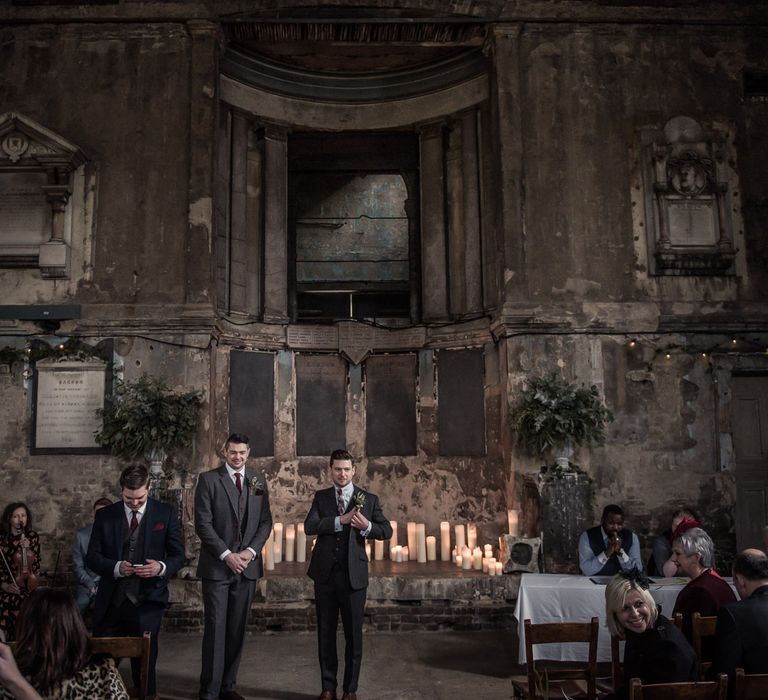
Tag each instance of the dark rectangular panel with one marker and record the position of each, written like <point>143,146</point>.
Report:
<point>390,405</point>
<point>321,382</point>
<point>460,402</point>
<point>251,399</point>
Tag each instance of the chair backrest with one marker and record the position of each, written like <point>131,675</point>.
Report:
<point>564,633</point>
<point>751,686</point>
<point>131,647</point>
<point>702,627</point>
<point>716,690</point>
<point>677,618</point>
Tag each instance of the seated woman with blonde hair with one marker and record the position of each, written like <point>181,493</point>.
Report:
<point>655,650</point>
<point>53,652</point>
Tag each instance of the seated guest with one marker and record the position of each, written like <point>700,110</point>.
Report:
<point>742,628</point>
<point>16,538</point>
<point>87,580</point>
<point>694,554</point>
<point>53,651</point>
<point>660,563</point>
<point>11,678</point>
<point>656,651</point>
<point>608,548</point>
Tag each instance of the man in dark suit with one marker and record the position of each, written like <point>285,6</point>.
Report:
<point>135,548</point>
<point>342,517</point>
<point>87,580</point>
<point>742,627</point>
<point>233,521</point>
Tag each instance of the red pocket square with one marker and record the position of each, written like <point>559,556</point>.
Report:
<point>158,527</point>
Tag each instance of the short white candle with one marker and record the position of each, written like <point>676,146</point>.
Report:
<point>421,543</point>
<point>466,559</point>
<point>394,552</point>
<point>404,553</point>
<point>290,541</point>
<point>459,560</point>
<point>471,535</point>
<point>492,566</point>
<point>301,543</point>
<point>378,550</point>
<point>485,565</point>
<point>269,553</point>
<point>512,522</point>
<point>458,531</point>
<point>431,548</point>
<point>278,532</point>
<point>477,558</point>
<point>499,568</point>
<point>411,534</point>
<point>393,539</point>
<point>445,541</point>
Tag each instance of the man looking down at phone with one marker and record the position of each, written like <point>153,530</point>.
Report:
<point>608,548</point>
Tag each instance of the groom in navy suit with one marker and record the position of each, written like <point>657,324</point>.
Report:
<point>342,517</point>
<point>135,548</point>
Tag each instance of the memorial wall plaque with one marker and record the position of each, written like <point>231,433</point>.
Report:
<point>390,405</point>
<point>67,395</point>
<point>252,399</point>
<point>356,340</point>
<point>312,337</point>
<point>461,403</point>
<point>321,383</point>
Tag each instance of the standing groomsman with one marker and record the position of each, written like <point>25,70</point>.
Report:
<point>342,517</point>
<point>233,521</point>
<point>135,548</point>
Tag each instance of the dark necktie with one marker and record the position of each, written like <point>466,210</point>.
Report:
<point>134,520</point>
<point>340,501</point>
<point>237,482</point>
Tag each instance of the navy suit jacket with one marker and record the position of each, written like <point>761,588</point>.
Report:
<point>162,542</point>
<point>742,635</point>
<point>320,521</point>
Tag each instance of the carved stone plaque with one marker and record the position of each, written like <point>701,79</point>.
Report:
<point>356,340</point>
<point>306,337</point>
<point>67,395</point>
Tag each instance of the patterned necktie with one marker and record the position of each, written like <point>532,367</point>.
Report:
<point>340,501</point>
<point>237,482</point>
<point>134,520</point>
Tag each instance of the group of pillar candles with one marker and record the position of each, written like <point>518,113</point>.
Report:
<point>289,543</point>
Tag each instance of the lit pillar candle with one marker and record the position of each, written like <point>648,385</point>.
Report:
<point>378,550</point>
<point>301,543</point>
<point>269,553</point>
<point>393,539</point>
<point>477,558</point>
<point>278,532</point>
<point>445,541</point>
<point>466,559</point>
<point>512,522</point>
<point>431,548</point>
<point>411,533</point>
<point>485,565</point>
<point>290,541</point>
<point>499,568</point>
<point>459,536</point>
<point>421,543</point>
<point>459,560</point>
<point>471,535</point>
<point>394,554</point>
<point>404,553</point>
<point>492,566</point>
<point>368,549</point>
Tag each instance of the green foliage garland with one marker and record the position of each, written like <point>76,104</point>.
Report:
<point>553,413</point>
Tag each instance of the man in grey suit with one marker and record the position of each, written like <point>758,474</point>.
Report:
<point>233,521</point>
<point>342,517</point>
<point>87,580</point>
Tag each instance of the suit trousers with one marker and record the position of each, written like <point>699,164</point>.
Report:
<point>226,603</point>
<point>129,620</point>
<point>331,598</point>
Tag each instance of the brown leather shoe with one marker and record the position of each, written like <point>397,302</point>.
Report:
<point>231,695</point>
<point>349,696</point>
<point>328,695</point>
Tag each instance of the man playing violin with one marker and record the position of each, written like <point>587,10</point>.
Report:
<point>20,547</point>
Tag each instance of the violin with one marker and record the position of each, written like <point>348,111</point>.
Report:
<point>24,561</point>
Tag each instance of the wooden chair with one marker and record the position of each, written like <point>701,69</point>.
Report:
<point>575,681</point>
<point>715,690</point>
<point>130,647</point>
<point>702,627</point>
<point>750,686</point>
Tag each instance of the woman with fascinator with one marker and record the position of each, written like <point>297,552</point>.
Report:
<point>655,651</point>
<point>660,563</point>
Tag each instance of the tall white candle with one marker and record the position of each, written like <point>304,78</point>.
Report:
<point>471,535</point>
<point>411,532</point>
<point>421,543</point>
<point>459,536</point>
<point>499,568</point>
<point>290,541</point>
<point>431,548</point>
<point>278,532</point>
<point>269,553</point>
<point>445,541</point>
<point>393,539</point>
<point>512,522</point>
<point>301,543</point>
<point>477,558</point>
<point>378,550</point>
<point>368,549</point>
<point>466,559</point>
<point>404,553</point>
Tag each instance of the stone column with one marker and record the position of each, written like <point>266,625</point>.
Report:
<point>454,189</point>
<point>238,256</point>
<point>202,122</point>
<point>275,225</point>
<point>472,249</point>
<point>433,262</point>
<point>54,254</point>
<point>254,223</point>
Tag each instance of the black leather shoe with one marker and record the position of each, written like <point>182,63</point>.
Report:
<point>231,695</point>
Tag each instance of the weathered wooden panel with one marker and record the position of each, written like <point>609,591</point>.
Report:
<point>390,405</point>
<point>460,402</point>
<point>251,399</point>
<point>320,404</point>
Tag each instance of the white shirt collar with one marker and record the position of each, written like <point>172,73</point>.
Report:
<point>139,511</point>
<point>232,471</point>
<point>346,491</point>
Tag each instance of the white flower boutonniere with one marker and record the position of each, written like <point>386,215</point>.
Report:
<point>255,485</point>
<point>359,500</point>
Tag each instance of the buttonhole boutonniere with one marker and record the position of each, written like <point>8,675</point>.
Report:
<point>255,485</point>
<point>359,500</point>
